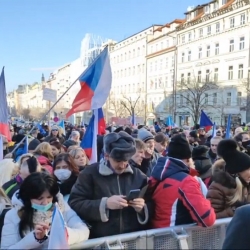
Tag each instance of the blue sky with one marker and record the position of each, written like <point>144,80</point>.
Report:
<point>38,35</point>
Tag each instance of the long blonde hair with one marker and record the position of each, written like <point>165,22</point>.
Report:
<point>74,152</point>
<point>44,149</point>
<point>4,201</point>
<point>7,170</point>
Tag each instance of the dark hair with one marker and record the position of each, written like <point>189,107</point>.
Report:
<point>32,188</point>
<point>56,144</point>
<point>69,160</point>
<point>239,137</point>
<point>161,138</point>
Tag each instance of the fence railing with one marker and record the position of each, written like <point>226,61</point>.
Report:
<point>178,237</point>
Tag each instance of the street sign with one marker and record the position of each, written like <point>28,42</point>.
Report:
<point>56,119</point>
<point>49,95</point>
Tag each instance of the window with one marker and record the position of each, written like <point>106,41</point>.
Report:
<point>199,77</point>
<point>200,53</point>
<point>183,39</point>
<point>216,74</point>
<point>209,30</point>
<point>207,9</point>
<point>166,63</point>
<point>239,98</point>
<point>143,66</point>
<point>201,32</point>
<point>133,70</point>
<point>214,98</point>
<point>138,69</point>
<point>215,6</point>
<point>189,55</point>
<point>151,67</point>
<point>166,81</point>
<point>125,56</point>
<point>182,78</point>
<point>129,71</point>
<point>172,61</point>
<point>231,45</point>
<point>206,99</point>
<point>229,99</point>
<point>138,52</point>
<point>155,65</point>
<point>161,45</point>
<point>232,22</point>
<point>217,49</point>
<point>217,27</point>
<point>242,43</point>
<point>181,99</point>
<point>167,42</point>
<point>133,52</point>
<point>160,67</point>
<point>230,72</point>
<point>189,36</point>
<point>188,77</point>
<point>207,75</point>
<point>156,47</point>
<point>208,50</point>
<point>121,57</point>
<point>242,19</point>
<point>240,71</point>
<point>224,1</point>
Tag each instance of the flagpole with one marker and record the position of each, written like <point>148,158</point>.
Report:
<point>44,116</point>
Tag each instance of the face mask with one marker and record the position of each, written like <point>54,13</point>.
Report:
<point>62,174</point>
<point>42,208</point>
<point>245,143</point>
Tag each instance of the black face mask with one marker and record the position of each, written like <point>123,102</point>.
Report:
<point>246,143</point>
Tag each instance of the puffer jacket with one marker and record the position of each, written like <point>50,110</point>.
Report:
<point>45,163</point>
<point>89,195</point>
<point>177,196</point>
<point>222,190</point>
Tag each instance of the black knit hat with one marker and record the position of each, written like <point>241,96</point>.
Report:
<point>120,146</point>
<point>179,147</point>
<point>33,144</point>
<point>236,161</point>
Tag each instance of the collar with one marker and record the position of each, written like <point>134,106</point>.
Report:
<point>105,170</point>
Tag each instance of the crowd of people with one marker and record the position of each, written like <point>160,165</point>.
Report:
<point>145,178</point>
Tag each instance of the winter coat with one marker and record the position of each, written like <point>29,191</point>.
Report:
<point>237,235</point>
<point>11,239</point>
<point>177,196</point>
<point>66,186</point>
<point>12,186</point>
<point>95,184</point>
<point>45,163</point>
<point>48,138</point>
<point>222,190</point>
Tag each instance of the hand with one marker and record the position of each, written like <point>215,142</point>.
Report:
<point>137,204</point>
<point>116,202</point>
<point>40,230</point>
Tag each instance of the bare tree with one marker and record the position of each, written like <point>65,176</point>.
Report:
<point>26,113</point>
<point>194,95</point>
<point>130,105</point>
<point>117,107</point>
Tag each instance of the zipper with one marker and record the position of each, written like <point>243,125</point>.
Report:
<point>119,190</point>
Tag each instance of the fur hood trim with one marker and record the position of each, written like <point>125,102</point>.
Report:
<point>221,176</point>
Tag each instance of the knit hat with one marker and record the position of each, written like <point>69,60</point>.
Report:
<point>200,151</point>
<point>33,144</point>
<point>120,146</point>
<point>194,134</point>
<point>201,160</point>
<point>144,135</point>
<point>54,127</point>
<point>236,161</point>
<point>179,147</point>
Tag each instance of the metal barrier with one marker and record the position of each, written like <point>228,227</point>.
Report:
<point>178,237</point>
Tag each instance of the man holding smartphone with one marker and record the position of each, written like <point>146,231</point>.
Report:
<point>107,195</point>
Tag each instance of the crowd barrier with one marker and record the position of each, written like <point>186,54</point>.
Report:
<point>178,237</point>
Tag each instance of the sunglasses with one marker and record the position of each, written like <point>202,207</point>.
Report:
<point>54,130</point>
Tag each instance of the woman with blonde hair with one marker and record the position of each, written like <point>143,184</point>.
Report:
<point>80,158</point>
<point>8,169</point>
<point>231,177</point>
<point>44,155</point>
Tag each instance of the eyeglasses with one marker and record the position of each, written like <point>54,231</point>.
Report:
<point>54,130</point>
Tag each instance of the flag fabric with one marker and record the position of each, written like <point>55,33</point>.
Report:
<point>95,85</point>
<point>205,121</point>
<point>228,127</point>
<point>133,120</point>
<point>170,122</point>
<point>4,121</point>
<point>41,130</point>
<point>96,127</point>
<point>58,238</point>
<point>61,124</point>
<point>214,130</point>
<point>1,147</point>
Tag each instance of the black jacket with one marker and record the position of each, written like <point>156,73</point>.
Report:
<point>66,186</point>
<point>11,187</point>
<point>238,231</point>
<point>88,199</point>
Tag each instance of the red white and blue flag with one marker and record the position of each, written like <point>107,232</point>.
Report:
<point>96,127</point>
<point>58,238</point>
<point>95,85</point>
<point>4,121</point>
<point>205,121</point>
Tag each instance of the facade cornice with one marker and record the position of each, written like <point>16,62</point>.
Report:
<point>161,52</point>
<point>220,12</point>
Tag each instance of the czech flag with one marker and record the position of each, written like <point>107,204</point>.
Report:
<point>58,238</point>
<point>95,85</point>
<point>96,127</point>
<point>4,121</point>
<point>205,121</point>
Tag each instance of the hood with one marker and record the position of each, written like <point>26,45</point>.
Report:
<point>43,160</point>
<point>18,203</point>
<point>221,176</point>
<point>166,167</point>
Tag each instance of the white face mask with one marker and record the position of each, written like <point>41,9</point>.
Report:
<point>62,174</point>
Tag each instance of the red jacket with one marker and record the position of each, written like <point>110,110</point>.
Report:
<point>177,196</point>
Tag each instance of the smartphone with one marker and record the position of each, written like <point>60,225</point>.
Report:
<point>133,194</point>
